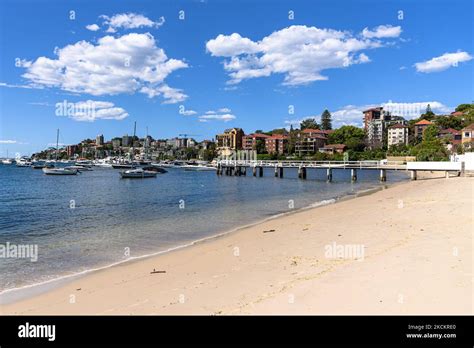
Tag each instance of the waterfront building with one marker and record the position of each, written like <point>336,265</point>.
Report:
<point>71,150</point>
<point>420,127</point>
<point>116,143</point>
<point>249,142</point>
<point>126,140</point>
<point>331,149</point>
<point>99,140</point>
<point>309,141</point>
<point>452,135</point>
<point>207,144</point>
<point>372,114</point>
<point>397,134</point>
<point>376,123</point>
<point>277,143</point>
<point>468,135</point>
<point>229,141</point>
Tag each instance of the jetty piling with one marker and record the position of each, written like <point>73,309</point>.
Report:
<point>353,174</point>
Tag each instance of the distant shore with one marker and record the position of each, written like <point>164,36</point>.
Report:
<point>416,243</point>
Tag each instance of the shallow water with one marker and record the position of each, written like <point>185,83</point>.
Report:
<point>95,219</point>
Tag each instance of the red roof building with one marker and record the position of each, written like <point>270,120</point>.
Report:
<point>420,127</point>
<point>249,142</point>
<point>277,143</point>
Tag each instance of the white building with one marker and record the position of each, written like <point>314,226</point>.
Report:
<point>397,134</point>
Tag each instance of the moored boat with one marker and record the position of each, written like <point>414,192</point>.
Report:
<point>79,168</point>
<point>8,161</point>
<point>24,162</point>
<point>59,171</point>
<point>122,166</point>
<point>41,165</point>
<point>138,173</point>
<point>56,170</point>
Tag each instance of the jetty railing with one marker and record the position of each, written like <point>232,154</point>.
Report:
<point>372,164</point>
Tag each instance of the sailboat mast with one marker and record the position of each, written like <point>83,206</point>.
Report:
<point>57,144</point>
<point>146,143</point>
<point>133,140</point>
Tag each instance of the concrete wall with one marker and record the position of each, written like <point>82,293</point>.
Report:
<point>433,165</point>
<point>467,158</point>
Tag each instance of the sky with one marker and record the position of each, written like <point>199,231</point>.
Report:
<point>199,67</point>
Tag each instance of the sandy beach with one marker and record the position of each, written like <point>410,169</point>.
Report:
<point>416,240</point>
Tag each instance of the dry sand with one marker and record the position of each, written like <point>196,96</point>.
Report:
<point>417,239</point>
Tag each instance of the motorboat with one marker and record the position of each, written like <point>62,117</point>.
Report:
<point>155,169</point>
<point>23,162</point>
<point>59,171</point>
<point>102,163</point>
<point>123,165</point>
<point>79,168</point>
<point>83,162</point>
<point>41,165</point>
<point>137,173</point>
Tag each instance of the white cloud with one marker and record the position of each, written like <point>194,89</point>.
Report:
<point>222,117</point>
<point>224,110</point>
<point>90,111</point>
<point>298,52</point>
<point>231,45</point>
<point>443,62</point>
<point>92,27</point>
<point>130,21</point>
<point>127,64</point>
<point>414,110</point>
<point>8,142</point>
<point>382,31</point>
<point>188,112</point>
<point>349,115</point>
<point>3,84</point>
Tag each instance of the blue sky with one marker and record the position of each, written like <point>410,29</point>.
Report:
<point>226,64</point>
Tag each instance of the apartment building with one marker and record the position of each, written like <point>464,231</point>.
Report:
<point>397,134</point>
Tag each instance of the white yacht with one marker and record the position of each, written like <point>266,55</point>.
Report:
<point>24,162</point>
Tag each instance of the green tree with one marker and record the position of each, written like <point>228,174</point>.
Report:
<point>309,123</point>
<point>352,136</point>
<point>445,122</point>
<point>432,150</point>
<point>429,114</point>
<point>464,107</point>
<point>326,123</point>
<point>430,133</point>
<point>260,146</point>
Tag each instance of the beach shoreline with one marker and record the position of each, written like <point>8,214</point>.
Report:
<point>13,295</point>
<point>238,272</point>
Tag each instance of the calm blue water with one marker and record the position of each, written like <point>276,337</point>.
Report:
<point>112,214</point>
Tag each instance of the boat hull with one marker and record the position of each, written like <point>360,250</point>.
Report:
<point>59,171</point>
<point>135,174</point>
